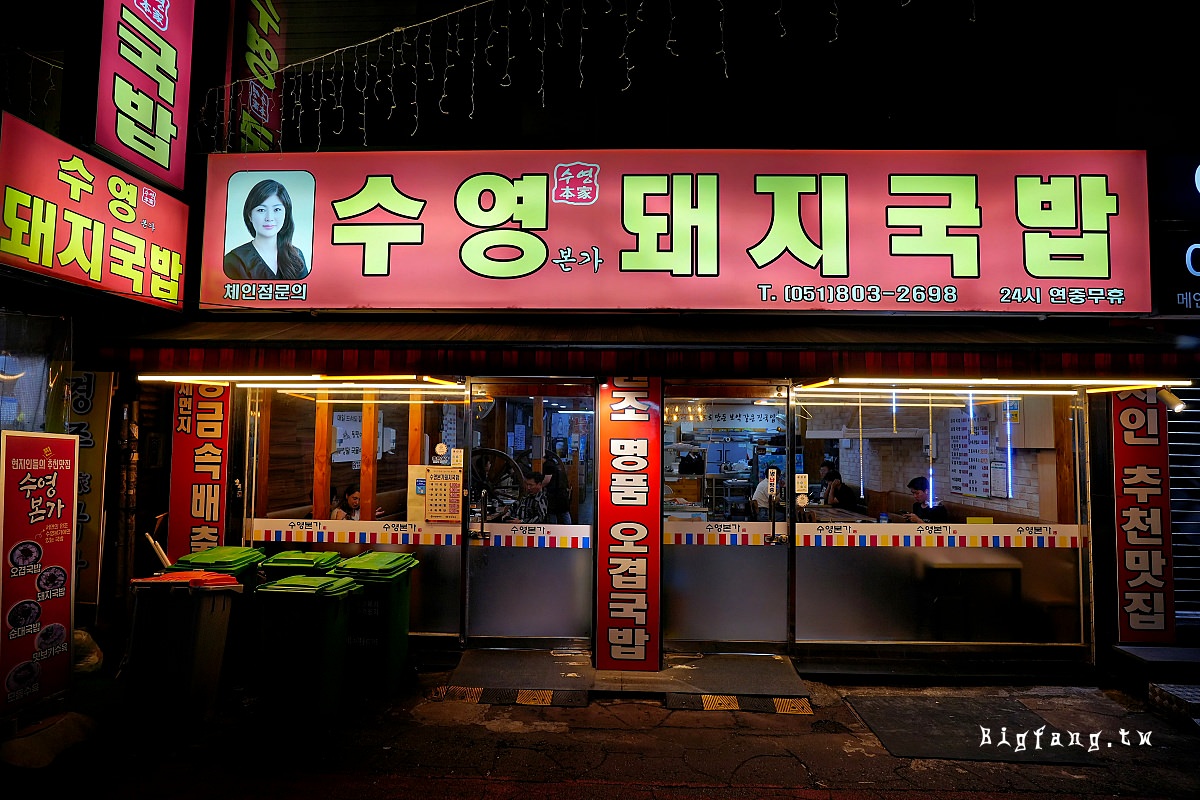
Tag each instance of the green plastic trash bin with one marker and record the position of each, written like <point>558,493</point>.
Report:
<point>177,639</point>
<point>299,562</point>
<point>378,644</point>
<point>303,625</point>
<point>242,563</point>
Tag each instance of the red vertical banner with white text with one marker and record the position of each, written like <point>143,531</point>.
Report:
<point>37,536</point>
<point>629,537</point>
<point>199,468</point>
<point>258,37</point>
<point>1143,507</point>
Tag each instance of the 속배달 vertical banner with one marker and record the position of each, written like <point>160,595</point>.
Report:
<point>199,468</point>
<point>37,514</point>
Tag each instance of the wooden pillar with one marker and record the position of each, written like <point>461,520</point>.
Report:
<point>416,430</point>
<point>1064,457</point>
<point>322,457</point>
<point>537,441</point>
<point>370,449</point>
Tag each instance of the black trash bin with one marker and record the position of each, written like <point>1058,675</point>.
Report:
<point>378,644</point>
<point>177,639</point>
<point>243,564</point>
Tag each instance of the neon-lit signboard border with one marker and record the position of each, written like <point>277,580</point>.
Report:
<point>68,215</point>
<point>145,82</point>
<point>775,231</point>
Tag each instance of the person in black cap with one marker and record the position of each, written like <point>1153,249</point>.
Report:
<point>921,510</point>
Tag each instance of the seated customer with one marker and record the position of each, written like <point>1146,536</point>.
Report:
<point>531,507</point>
<point>921,510</point>
<point>838,494</point>
<point>349,508</point>
<point>761,500</point>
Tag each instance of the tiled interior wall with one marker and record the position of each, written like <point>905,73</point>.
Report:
<point>888,464</point>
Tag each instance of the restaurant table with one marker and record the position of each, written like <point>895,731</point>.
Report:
<point>822,513</point>
<point>969,593</point>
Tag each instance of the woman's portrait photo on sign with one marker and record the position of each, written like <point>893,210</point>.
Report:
<point>269,225</point>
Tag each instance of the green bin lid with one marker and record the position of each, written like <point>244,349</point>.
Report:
<point>300,559</point>
<point>376,566</point>
<point>312,584</point>
<point>219,559</point>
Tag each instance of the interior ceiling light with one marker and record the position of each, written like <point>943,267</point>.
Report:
<point>353,388</point>
<point>259,380</point>
<point>998,382</point>
<point>883,405</point>
<point>877,391</point>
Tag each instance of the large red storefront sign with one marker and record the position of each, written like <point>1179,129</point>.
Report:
<point>199,468</point>
<point>629,544</point>
<point>899,231</point>
<point>70,216</point>
<point>37,513</point>
<point>1143,499</point>
<point>145,79</point>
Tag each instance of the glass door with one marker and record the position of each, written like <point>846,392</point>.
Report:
<point>529,564</point>
<point>727,489</point>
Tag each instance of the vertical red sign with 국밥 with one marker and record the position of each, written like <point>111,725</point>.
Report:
<point>70,216</point>
<point>37,514</point>
<point>1143,501</point>
<point>199,468</point>
<point>629,557</point>
<point>145,76</point>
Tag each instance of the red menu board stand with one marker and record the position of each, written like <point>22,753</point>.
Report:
<point>38,487</point>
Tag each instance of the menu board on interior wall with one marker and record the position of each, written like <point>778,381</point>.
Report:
<point>970,455</point>
<point>443,495</point>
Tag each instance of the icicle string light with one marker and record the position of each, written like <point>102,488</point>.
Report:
<point>542,58</point>
<point>671,28</point>
<point>582,31</point>
<point>721,51</point>
<point>416,106</point>
<point>474,49</point>
<point>506,79</point>
<point>326,91</point>
<point>451,58</point>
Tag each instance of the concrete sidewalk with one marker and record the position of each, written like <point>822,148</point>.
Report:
<point>420,746</point>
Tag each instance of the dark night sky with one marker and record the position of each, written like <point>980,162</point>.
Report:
<point>879,74</point>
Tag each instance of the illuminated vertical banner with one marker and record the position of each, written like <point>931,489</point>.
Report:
<point>199,468</point>
<point>629,557</point>
<point>91,400</point>
<point>1143,506</point>
<point>258,38</point>
<point>145,75</point>
<point>38,476</point>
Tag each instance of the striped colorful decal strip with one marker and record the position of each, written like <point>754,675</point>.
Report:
<point>876,535</point>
